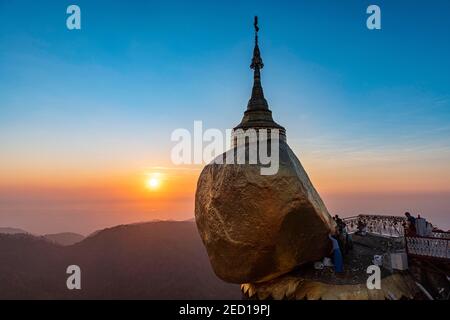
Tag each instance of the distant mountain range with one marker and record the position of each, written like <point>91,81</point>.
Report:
<point>11,231</point>
<point>155,260</point>
<point>63,238</point>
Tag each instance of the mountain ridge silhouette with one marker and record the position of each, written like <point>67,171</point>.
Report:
<point>154,260</point>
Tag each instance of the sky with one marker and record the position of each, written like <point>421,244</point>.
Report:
<point>86,115</point>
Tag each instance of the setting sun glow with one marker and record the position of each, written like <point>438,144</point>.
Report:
<point>153,183</point>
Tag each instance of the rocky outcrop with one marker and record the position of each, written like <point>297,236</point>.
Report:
<point>256,227</point>
<point>394,287</point>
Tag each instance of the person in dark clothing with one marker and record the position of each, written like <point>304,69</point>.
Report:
<point>411,224</point>
<point>338,220</point>
<point>342,235</point>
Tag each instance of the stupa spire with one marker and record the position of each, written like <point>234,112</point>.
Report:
<point>258,115</point>
<point>257,101</point>
<point>257,62</point>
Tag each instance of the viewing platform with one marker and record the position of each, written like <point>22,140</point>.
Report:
<point>435,245</point>
<point>424,262</point>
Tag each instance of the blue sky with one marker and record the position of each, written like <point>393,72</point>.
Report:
<point>165,64</point>
<point>110,94</point>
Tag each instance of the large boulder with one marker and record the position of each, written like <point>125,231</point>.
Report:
<point>256,227</point>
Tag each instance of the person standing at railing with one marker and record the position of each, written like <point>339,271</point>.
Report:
<point>410,224</point>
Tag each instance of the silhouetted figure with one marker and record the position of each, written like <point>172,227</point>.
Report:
<point>410,224</point>
<point>343,238</point>
<point>338,220</point>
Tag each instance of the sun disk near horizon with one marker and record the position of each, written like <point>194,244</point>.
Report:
<point>153,181</point>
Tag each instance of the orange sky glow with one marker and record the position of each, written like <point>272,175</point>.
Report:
<point>45,200</point>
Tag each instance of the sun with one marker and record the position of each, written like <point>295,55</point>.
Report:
<point>153,183</point>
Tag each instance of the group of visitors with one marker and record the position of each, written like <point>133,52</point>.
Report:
<point>342,240</point>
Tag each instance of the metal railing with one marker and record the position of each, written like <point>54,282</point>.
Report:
<point>441,235</point>
<point>389,226</point>
<point>436,246</point>
<point>428,247</point>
